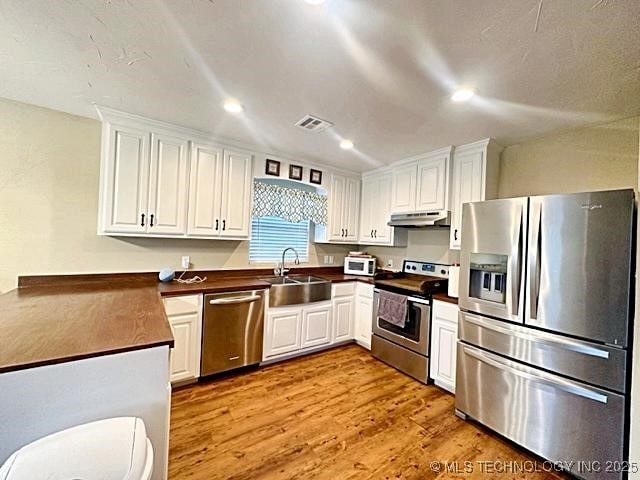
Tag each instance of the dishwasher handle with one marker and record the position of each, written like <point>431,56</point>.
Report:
<point>228,301</point>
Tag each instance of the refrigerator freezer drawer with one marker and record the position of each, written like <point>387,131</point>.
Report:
<point>590,362</point>
<point>558,419</point>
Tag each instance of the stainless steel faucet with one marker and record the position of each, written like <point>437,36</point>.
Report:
<point>281,271</point>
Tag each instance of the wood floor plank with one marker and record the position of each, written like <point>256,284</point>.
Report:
<point>335,415</point>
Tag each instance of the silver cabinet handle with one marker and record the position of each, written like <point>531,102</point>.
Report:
<point>558,383</point>
<point>538,338</point>
<point>227,301</point>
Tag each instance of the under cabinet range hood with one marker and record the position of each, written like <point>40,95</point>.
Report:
<point>440,218</point>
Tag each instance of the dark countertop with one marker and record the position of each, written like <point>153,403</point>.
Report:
<point>48,325</point>
<point>56,319</point>
<point>443,297</point>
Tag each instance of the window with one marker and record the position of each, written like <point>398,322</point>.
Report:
<point>271,235</point>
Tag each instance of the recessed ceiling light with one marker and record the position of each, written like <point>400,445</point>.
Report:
<point>233,106</point>
<point>463,94</point>
<point>346,144</point>
<point>315,2</point>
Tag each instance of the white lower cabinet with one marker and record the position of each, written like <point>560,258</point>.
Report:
<point>364,314</point>
<point>316,326</point>
<point>343,295</point>
<point>282,332</point>
<point>444,335</point>
<point>343,318</point>
<point>185,318</point>
<point>296,328</point>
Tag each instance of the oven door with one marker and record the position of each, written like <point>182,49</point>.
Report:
<point>415,334</point>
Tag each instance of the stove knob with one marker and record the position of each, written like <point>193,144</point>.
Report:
<point>413,267</point>
<point>443,271</point>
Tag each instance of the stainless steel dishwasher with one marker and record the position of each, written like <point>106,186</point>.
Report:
<point>232,329</point>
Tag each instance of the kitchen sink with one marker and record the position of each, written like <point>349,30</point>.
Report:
<point>297,289</point>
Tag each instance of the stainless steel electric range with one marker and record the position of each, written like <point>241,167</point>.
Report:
<point>405,345</point>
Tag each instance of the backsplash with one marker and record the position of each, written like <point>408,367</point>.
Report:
<point>424,245</point>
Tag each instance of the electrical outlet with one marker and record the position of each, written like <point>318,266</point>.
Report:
<point>186,262</point>
<point>326,259</point>
<point>330,259</point>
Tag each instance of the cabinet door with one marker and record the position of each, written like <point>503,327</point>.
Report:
<point>185,358</point>
<point>351,209</point>
<point>236,194</point>
<point>403,196</point>
<point>205,190</point>
<point>368,214</point>
<point>168,185</point>
<point>126,175</point>
<point>316,325</point>
<point>343,318</point>
<point>432,185</point>
<point>443,354</point>
<point>444,335</point>
<point>364,320</point>
<point>283,331</point>
<point>382,233</point>
<point>468,181</point>
<point>336,228</point>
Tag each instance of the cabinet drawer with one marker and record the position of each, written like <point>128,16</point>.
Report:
<point>182,305</point>
<point>343,289</point>
<point>365,290</point>
<point>445,311</point>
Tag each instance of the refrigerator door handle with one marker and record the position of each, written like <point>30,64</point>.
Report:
<point>538,338</point>
<point>535,252</point>
<point>516,285</point>
<point>564,385</point>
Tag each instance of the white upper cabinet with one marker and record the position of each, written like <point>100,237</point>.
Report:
<point>403,197</point>
<point>205,190</point>
<point>423,184</point>
<point>344,209</point>
<point>168,185</point>
<point>432,186</point>
<point>160,180</point>
<point>236,194</point>
<point>375,212</point>
<point>125,174</point>
<point>475,179</point>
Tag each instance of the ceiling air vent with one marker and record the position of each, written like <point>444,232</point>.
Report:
<point>313,124</point>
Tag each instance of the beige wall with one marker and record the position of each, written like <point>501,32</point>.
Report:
<point>49,167</point>
<point>426,245</point>
<point>600,157</point>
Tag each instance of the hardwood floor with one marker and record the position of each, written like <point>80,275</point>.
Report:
<point>339,414</point>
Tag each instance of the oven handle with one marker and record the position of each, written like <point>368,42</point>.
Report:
<point>422,301</point>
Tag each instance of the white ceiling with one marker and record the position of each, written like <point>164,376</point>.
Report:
<point>381,70</point>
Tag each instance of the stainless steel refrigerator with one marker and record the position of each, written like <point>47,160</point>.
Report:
<point>544,337</point>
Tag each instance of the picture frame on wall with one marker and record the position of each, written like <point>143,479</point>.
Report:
<point>295,172</point>
<point>315,176</point>
<point>272,168</point>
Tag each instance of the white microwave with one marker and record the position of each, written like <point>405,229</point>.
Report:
<point>359,266</point>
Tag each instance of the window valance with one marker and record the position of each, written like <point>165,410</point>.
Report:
<point>290,204</point>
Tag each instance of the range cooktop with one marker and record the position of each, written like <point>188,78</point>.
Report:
<point>417,278</point>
